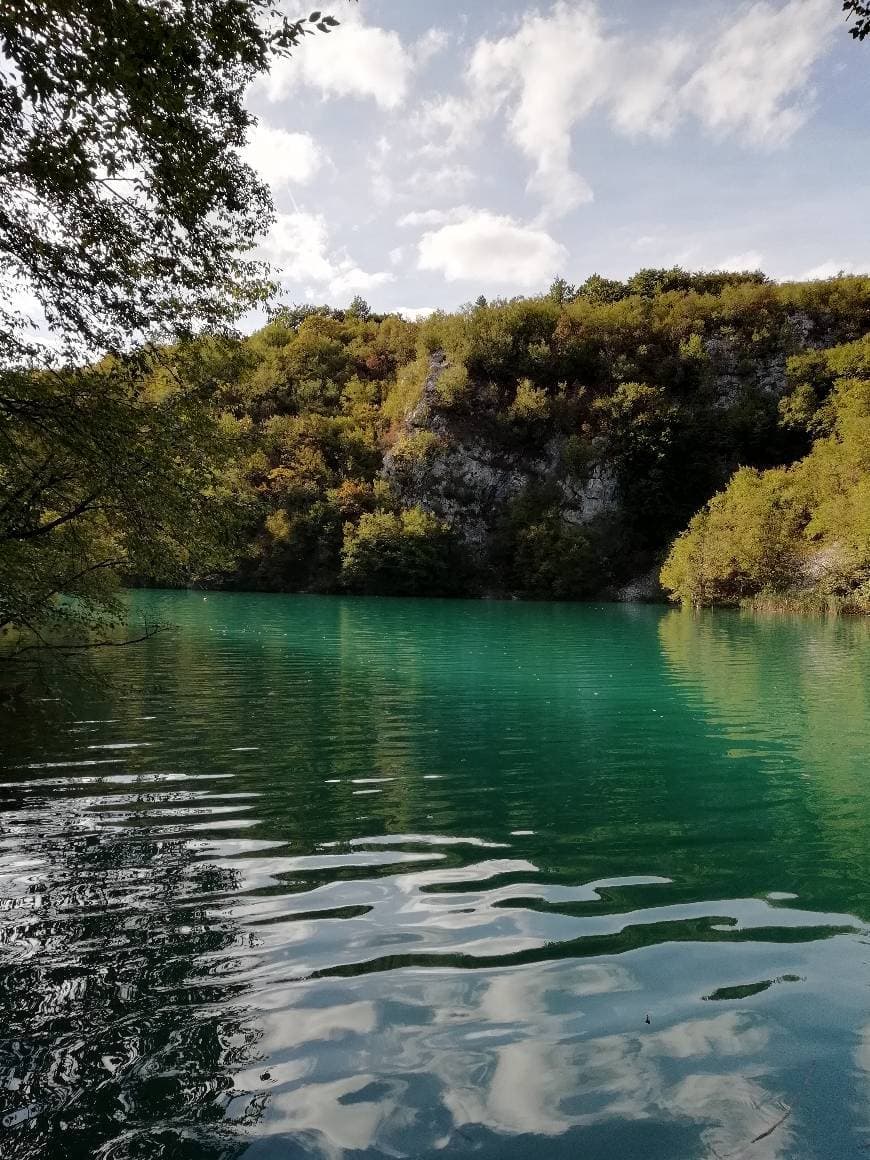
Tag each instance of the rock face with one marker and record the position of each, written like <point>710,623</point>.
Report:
<point>467,476</point>
<point>644,589</point>
<point>475,465</point>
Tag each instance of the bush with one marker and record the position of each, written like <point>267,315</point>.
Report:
<point>744,541</point>
<point>530,405</point>
<point>408,553</point>
<point>787,532</point>
<point>453,389</point>
<point>579,456</point>
<point>405,393</point>
<point>415,448</point>
<point>538,553</point>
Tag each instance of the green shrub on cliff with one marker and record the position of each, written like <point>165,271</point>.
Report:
<point>453,388</point>
<point>745,540</point>
<point>405,553</point>
<point>790,535</point>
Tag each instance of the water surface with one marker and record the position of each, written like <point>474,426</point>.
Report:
<point>313,877</point>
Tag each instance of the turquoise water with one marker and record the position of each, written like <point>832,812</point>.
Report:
<point>315,877</point>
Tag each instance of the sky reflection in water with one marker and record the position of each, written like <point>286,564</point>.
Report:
<point>321,877</point>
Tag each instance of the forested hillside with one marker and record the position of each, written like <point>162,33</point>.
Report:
<point>551,447</point>
<point>795,536</point>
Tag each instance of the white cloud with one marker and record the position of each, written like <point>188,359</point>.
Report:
<point>430,181</point>
<point>446,124</point>
<point>415,313</point>
<point>754,83</point>
<point>350,279</point>
<point>831,269</point>
<point>646,99</point>
<point>429,45</point>
<point>747,260</point>
<point>383,187</point>
<point>748,78</point>
<point>491,248</point>
<point>298,247</point>
<point>282,158</point>
<point>554,70</point>
<point>439,181</point>
<point>356,60</point>
<point>434,217</point>
<point>396,255</point>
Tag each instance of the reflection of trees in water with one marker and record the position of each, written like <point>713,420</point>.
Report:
<point>117,1029</point>
<point>792,696</point>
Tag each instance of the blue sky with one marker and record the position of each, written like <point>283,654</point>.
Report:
<point>423,154</point>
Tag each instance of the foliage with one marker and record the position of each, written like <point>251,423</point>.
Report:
<point>125,204</point>
<point>530,404</point>
<point>453,387</point>
<point>665,395</point>
<point>788,533</point>
<point>404,394</point>
<point>415,447</point>
<point>128,215</point>
<point>111,472</point>
<point>304,432</point>
<point>539,553</point>
<point>405,553</point>
<point>859,14</point>
<point>741,543</point>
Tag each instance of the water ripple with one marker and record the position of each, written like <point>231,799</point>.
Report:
<point>527,885</point>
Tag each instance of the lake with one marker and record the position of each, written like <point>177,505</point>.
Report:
<point>323,877</point>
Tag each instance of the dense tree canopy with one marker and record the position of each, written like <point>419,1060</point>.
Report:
<point>354,430</point>
<point>337,440</point>
<point>127,217</point>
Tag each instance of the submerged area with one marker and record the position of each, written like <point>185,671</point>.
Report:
<point>324,877</point>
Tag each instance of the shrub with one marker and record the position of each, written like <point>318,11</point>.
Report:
<point>579,456</point>
<point>538,553</point>
<point>405,393</point>
<point>406,553</point>
<point>530,404</point>
<point>453,388</point>
<point>415,448</point>
<point>791,532</point>
<point>744,541</point>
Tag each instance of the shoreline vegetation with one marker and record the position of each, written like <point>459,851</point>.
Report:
<point>700,437</point>
<point>564,446</point>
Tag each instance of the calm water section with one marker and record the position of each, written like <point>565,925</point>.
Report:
<point>315,877</point>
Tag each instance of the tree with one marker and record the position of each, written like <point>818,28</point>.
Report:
<point>128,215</point>
<point>124,203</point>
<point>359,308</point>
<point>561,291</point>
<point>406,553</point>
<point>600,290</point>
<point>859,13</point>
<point>109,472</point>
<point>799,534</point>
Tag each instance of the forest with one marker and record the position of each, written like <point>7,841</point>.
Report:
<point>693,435</point>
<point>564,446</point>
